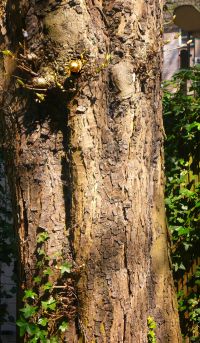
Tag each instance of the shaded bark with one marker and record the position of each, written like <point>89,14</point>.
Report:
<point>86,165</point>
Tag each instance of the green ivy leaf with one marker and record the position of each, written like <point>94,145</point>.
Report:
<point>26,327</point>
<point>64,327</point>
<point>48,271</point>
<point>31,329</point>
<point>49,304</point>
<point>151,323</point>
<point>29,294</point>
<point>37,279</point>
<point>43,321</point>
<point>40,251</point>
<point>54,340</point>
<point>65,268</point>
<point>22,323</point>
<point>28,310</point>
<point>47,286</point>
<point>181,266</point>
<point>39,336</point>
<point>42,237</point>
<point>184,231</point>
<point>39,264</point>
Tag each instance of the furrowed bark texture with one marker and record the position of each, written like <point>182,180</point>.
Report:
<point>87,165</point>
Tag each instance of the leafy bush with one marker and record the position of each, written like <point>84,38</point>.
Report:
<point>182,125</point>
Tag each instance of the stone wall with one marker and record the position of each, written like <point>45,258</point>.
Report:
<point>172,4</point>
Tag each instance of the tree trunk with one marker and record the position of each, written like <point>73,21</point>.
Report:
<point>86,164</point>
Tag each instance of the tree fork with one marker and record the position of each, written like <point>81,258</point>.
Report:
<point>86,164</point>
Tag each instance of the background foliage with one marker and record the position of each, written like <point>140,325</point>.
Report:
<point>182,125</point>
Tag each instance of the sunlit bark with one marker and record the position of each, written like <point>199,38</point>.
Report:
<point>86,165</point>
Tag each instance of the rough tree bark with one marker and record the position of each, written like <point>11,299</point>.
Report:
<point>86,165</point>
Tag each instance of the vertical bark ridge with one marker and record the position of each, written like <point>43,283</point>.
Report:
<point>118,246</point>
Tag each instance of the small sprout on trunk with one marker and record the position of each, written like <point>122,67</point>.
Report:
<point>40,97</point>
<point>7,53</point>
<point>21,83</point>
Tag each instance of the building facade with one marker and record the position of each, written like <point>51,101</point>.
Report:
<point>177,53</point>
